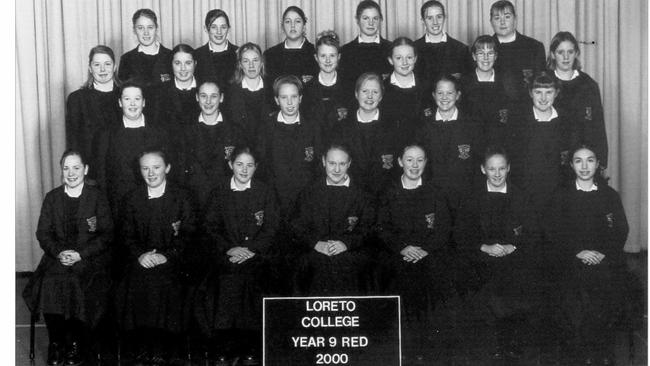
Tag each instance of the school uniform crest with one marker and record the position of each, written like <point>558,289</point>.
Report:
<point>503,115</point>
<point>92,224</point>
<point>259,217</point>
<point>564,157</point>
<point>352,222</point>
<point>428,112</point>
<point>177,227</point>
<point>528,73</point>
<point>387,161</point>
<point>610,220</point>
<point>588,115</point>
<point>165,77</point>
<point>464,151</point>
<point>309,153</point>
<point>431,219</point>
<point>518,230</point>
<point>227,151</point>
<point>306,78</point>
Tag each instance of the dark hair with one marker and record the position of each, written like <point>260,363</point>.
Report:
<point>412,145</point>
<point>483,40</point>
<point>327,38</point>
<point>132,84</point>
<point>182,47</point>
<point>501,6</point>
<point>287,79</point>
<point>99,49</point>
<point>560,37</point>
<point>243,149</point>
<point>449,78</point>
<point>543,79</point>
<point>403,41</point>
<point>297,10</point>
<point>337,146</point>
<point>368,76</point>
<point>249,46</point>
<point>208,81</point>
<point>430,4</point>
<point>212,15</point>
<point>154,151</point>
<point>147,13</point>
<point>71,152</point>
<point>368,4</point>
<point>600,176</point>
<point>492,150</point>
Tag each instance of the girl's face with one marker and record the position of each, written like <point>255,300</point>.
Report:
<point>102,68</point>
<point>434,20</point>
<point>154,170</point>
<point>243,168</point>
<point>336,164</point>
<point>293,26</point>
<point>218,31</point>
<point>327,58</point>
<point>183,65</point>
<point>369,95</point>
<point>403,60</point>
<point>496,170</point>
<point>74,171</point>
<point>584,164</point>
<point>446,96</point>
<point>543,98</point>
<point>251,64</point>
<point>369,22</point>
<point>565,55</point>
<point>484,58</point>
<point>413,161</point>
<point>209,97</point>
<point>145,29</point>
<point>132,103</point>
<point>289,100</point>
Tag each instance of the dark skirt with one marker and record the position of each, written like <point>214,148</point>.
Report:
<point>339,275</point>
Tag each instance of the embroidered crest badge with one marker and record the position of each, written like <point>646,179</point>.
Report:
<point>610,220</point>
<point>428,112</point>
<point>503,116</point>
<point>464,151</point>
<point>518,230</point>
<point>165,77</point>
<point>387,161</point>
<point>528,73</point>
<point>309,153</point>
<point>177,227</point>
<point>92,224</point>
<point>227,151</point>
<point>588,115</point>
<point>259,217</point>
<point>431,219</point>
<point>564,157</point>
<point>352,222</point>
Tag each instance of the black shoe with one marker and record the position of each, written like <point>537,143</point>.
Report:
<point>73,355</point>
<point>54,354</point>
<point>221,360</point>
<point>157,360</point>
<point>589,361</point>
<point>249,360</point>
<point>607,361</point>
<point>498,353</point>
<point>514,351</point>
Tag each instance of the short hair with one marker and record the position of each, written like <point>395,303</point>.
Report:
<point>413,145</point>
<point>296,10</point>
<point>543,80</point>
<point>482,41</point>
<point>147,13</point>
<point>287,79</point>
<point>366,76</point>
<point>492,150</point>
<point>337,146</point>
<point>209,81</point>
<point>72,152</point>
<point>213,14</point>
<point>501,6</point>
<point>403,41</point>
<point>368,4</point>
<point>327,38</point>
<point>243,149</point>
<point>132,84</point>
<point>249,46</point>
<point>182,47</point>
<point>430,4</point>
<point>560,37</point>
<point>449,78</point>
<point>154,150</point>
<point>99,50</point>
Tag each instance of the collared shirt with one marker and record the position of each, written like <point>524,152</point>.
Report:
<point>217,49</point>
<point>503,189</point>
<point>593,187</point>
<point>245,85</point>
<point>454,116</point>
<point>377,40</point>
<point>418,184</point>
<point>375,117</point>
<point>133,124</point>
<point>573,76</point>
<point>489,79</point>
<point>539,118</point>
<point>193,85</point>
<point>409,84</point>
<point>344,183</point>
<point>508,39</point>
<point>294,48</point>
<point>157,191</point>
<point>429,38</point>
<point>219,119</point>
<point>234,187</point>
<point>323,82</point>
<point>73,192</point>
<point>281,119</point>
<point>106,87</point>
<point>147,52</point>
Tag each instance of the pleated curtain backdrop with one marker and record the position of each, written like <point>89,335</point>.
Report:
<point>53,38</point>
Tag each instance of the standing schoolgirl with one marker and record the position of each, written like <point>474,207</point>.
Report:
<point>70,285</point>
<point>587,227</point>
<point>217,59</point>
<point>241,221</point>
<point>149,63</point>
<point>93,107</point>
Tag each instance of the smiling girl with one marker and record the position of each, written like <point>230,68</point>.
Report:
<point>216,59</point>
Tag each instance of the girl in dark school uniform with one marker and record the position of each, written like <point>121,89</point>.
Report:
<point>149,63</point>
<point>497,232</point>
<point>587,227</point>
<point>332,219</point>
<point>216,59</point>
<point>241,221</point>
<point>414,224</point>
<point>70,285</point>
<point>158,221</point>
<point>93,107</point>
<point>580,96</point>
<point>294,55</point>
<point>369,51</point>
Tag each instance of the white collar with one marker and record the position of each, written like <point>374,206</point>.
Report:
<point>193,85</point>
<point>503,189</point>
<point>573,76</point>
<point>418,184</point>
<point>216,122</point>
<point>286,47</point>
<point>508,39</point>
<point>281,119</point>
<point>345,183</point>
<point>234,187</point>
<point>539,118</point>
<point>158,191</point>
<point>429,38</point>
<point>454,116</point>
<point>73,192</point>
<point>593,187</point>
<point>409,84</point>
<point>375,117</point>
<point>489,79</point>
<point>323,83</point>
<point>218,49</point>
<point>377,40</point>
<point>147,52</point>
<point>106,87</point>
<point>133,124</point>
<point>245,85</point>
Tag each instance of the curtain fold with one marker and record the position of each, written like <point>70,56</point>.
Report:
<point>53,38</point>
